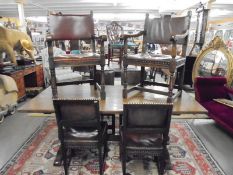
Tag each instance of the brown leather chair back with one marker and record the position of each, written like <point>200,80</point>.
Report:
<point>70,27</point>
<point>77,110</point>
<point>160,30</point>
<point>145,132</point>
<point>147,115</point>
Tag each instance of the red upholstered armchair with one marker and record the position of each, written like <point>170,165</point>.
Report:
<point>209,88</point>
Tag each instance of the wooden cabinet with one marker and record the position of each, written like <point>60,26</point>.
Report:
<point>18,77</point>
<point>39,76</point>
<point>28,77</point>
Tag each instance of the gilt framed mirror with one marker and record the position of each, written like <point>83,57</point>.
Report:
<point>214,60</point>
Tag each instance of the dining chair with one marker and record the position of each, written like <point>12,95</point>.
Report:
<point>75,27</point>
<point>79,127</point>
<point>144,132</point>
<point>115,46</point>
<point>169,30</point>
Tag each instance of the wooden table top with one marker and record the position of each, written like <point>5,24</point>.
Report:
<point>113,104</point>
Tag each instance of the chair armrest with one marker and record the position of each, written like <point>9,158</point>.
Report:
<point>126,36</point>
<point>179,37</point>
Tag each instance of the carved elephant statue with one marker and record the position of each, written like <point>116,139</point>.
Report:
<point>11,40</point>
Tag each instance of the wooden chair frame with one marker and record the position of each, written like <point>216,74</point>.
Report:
<point>64,125</point>
<point>161,155</point>
<point>84,32</point>
<point>155,61</point>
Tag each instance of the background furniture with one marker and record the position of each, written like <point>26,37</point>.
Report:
<point>14,40</point>
<point>197,44</point>
<point>109,76</point>
<point>209,88</point>
<point>201,24</point>
<point>116,44</point>
<point>75,27</point>
<point>164,30</point>
<point>144,132</point>
<point>133,76</point>
<point>26,76</point>
<point>8,96</point>
<point>79,126</point>
<point>63,74</point>
<point>214,60</point>
<point>189,62</point>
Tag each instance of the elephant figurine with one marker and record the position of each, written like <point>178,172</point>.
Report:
<point>11,40</point>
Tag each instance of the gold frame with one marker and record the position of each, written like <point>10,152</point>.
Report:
<point>216,44</point>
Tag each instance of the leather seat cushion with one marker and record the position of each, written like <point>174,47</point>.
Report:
<point>81,59</point>
<point>151,57</point>
<point>144,140</point>
<point>79,56</point>
<point>82,136</point>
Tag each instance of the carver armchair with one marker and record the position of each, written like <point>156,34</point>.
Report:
<point>167,30</point>
<point>75,27</point>
<point>144,132</point>
<point>79,126</point>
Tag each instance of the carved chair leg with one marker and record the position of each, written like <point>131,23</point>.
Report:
<point>105,149</point>
<point>156,70</point>
<point>171,86</point>
<point>100,159</point>
<point>109,54</point>
<point>94,77</point>
<point>65,163</point>
<point>167,161</point>
<point>113,124</point>
<point>120,119</point>
<point>121,57</point>
<point>123,156</point>
<point>120,151</point>
<point>181,79</point>
<point>142,76</point>
<point>161,165</point>
<point>102,90</point>
<point>125,82</point>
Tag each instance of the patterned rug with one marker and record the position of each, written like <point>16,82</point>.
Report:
<point>188,156</point>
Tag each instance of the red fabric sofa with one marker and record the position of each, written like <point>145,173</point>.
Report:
<point>209,88</point>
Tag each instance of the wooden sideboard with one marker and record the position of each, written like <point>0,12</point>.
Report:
<point>29,76</point>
